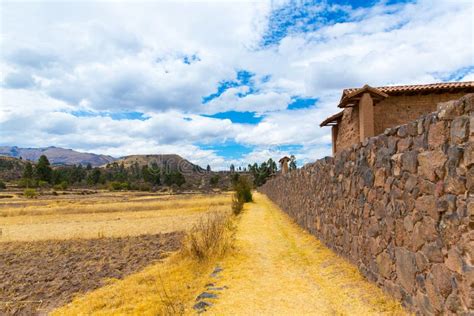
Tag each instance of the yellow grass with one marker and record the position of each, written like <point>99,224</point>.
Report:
<point>104,215</point>
<point>276,269</point>
<point>281,269</point>
<point>147,292</point>
<point>169,287</point>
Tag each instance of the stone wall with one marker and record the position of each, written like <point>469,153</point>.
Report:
<point>400,206</point>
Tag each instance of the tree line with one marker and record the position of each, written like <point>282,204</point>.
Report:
<point>115,176</point>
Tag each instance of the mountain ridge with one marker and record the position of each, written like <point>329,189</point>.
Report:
<point>56,155</point>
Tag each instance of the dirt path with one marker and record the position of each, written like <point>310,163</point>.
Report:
<point>279,269</point>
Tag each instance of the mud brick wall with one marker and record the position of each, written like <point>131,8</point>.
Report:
<point>400,206</point>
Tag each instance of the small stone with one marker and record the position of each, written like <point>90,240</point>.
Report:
<point>426,204</point>
<point>436,300</point>
<point>384,264</point>
<point>406,268</point>
<point>429,162</point>
<point>379,177</point>
<point>433,252</point>
<point>469,153</point>
<point>455,185</point>
<point>459,129</point>
<point>449,110</point>
<point>437,135</point>
<point>419,127</point>
<point>441,279</point>
<point>404,144</point>
<point>204,295</point>
<point>202,306</point>
<point>454,261</point>
<point>409,161</point>
<point>423,303</point>
<point>402,131</point>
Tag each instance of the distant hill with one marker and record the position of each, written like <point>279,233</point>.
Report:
<point>11,168</point>
<point>56,155</point>
<point>168,162</point>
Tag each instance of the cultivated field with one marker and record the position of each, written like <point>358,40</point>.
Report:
<point>103,214</point>
<point>58,246</point>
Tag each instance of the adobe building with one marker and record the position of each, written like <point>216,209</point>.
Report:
<point>368,111</point>
<point>284,164</point>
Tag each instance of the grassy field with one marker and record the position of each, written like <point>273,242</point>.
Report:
<point>56,247</point>
<point>104,214</point>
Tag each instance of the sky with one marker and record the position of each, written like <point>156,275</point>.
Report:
<point>216,82</point>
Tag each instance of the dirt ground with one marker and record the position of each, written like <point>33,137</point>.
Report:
<point>36,277</point>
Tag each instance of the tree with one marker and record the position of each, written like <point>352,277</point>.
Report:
<point>94,176</point>
<point>208,168</point>
<point>232,168</point>
<point>174,177</point>
<point>151,175</point>
<point>214,180</point>
<point>43,169</point>
<point>28,172</point>
<point>292,164</point>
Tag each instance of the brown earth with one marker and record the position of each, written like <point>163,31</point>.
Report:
<point>36,277</point>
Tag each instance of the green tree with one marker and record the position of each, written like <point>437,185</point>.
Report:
<point>94,177</point>
<point>208,168</point>
<point>28,172</point>
<point>232,168</point>
<point>292,164</point>
<point>174,177</point>
<point>43,169</point>
<point>214,180</point>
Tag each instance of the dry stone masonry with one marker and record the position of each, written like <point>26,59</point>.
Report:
<point>400,206</point>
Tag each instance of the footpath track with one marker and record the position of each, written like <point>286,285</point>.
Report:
<point>280,269</point>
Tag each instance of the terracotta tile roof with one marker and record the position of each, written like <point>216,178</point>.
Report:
<point>420,88</point>
<point>332,119</point>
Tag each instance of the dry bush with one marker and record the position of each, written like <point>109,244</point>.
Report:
<point>211,237</point>
<point>237,205</point>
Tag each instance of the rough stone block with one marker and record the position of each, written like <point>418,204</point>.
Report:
<point>459,130</point>
<point>437,134</point>
<point>409,161</point>
<point>442,279</point>
<point>429,162</point>
<point>406,268</point>
<point>454,261</point>
<point>449,110</point>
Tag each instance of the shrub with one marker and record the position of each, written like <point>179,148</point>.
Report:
<point>117,185</point>
<point>62,186</point>
<point>237,205</point>
<point>243,190</point>
<point>42,184</point>
<point>3,186</point>
<point>30,193</point>
<point>27,183</point>
<point>211,237</point>
<point>243,194</point>
<point>214,180</point>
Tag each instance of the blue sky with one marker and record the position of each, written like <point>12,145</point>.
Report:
<point>227,83</point>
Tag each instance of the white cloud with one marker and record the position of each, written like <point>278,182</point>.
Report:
<point>105,57</point>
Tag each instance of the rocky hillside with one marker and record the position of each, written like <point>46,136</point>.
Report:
<point>166,162</point>
<point>11,168</point>
<point>56,155</point>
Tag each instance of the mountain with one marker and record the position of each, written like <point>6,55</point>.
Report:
<point>166,162</point>
<point>56,155</point>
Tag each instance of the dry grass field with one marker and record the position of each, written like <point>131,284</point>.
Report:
<point>57,246</point>
<point>104,214</point>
